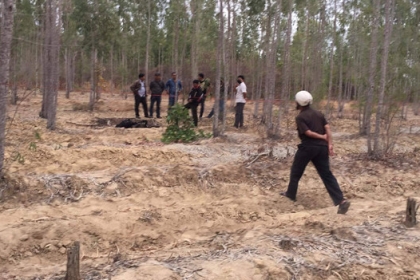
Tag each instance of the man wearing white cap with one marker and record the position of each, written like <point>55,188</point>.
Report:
<point>316,146</point>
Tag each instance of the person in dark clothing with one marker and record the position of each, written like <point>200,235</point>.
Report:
<point>316,146</point>
<point>221,102</point>
<point>194,98</point>
<point>204,84</point>
<point>139,90</point>
<point>156,88</point>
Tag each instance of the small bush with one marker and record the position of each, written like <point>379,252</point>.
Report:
<point>180,126</point>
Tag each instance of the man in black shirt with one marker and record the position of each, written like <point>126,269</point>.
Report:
<point>315,134</point>
<point>194,98</point>
<point>156,89</point>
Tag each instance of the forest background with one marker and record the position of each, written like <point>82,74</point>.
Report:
<point>340,50</point>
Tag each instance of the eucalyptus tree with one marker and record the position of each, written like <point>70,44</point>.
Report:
<point>8,8</point>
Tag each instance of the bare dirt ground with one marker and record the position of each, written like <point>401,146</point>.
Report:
<point>205,210</point>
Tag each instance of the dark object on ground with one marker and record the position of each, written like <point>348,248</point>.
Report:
<point>411,212</point>
<point>136,123</point>
<point>73,262</point>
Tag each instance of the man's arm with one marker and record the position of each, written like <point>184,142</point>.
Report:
<point>134,87</point>
<point>329,139</point>
<point>315,135</point>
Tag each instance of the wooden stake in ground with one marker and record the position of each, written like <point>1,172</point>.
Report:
<point>73,262</point>
<point>411,211</point>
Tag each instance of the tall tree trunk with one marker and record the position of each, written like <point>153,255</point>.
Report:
<point>175,62</point>
<point>67,64</point>
<point>366,121</point>
<point>304,84</point>
<point>92,95</point>
<point>195,9</point>
<point>216,131</point>
<point>111,57</point>
<point>272,69</point>
<point>52,49</point>
<point>340,86</point>
<point>258,90</point>
<point>330,84</point>
<point>233,60</point>
<point>5,48</point>
<point>284,101</point>
<point>267,57</point>
<point>389,16</point>
<point>146,64</point>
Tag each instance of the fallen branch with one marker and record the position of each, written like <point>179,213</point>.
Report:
<point>257,157</point>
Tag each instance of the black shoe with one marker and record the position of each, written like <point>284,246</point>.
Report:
<point>159,117</point>
<point>343,207</point>
<point>285,195</point>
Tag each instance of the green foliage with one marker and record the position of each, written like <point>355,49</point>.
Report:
<point>37,135</point>
<point>32,146</point>
<point>202,134</point>
<point>180,126</point>
<point>19,158</point>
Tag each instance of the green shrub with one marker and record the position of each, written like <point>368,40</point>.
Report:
<point>180,126</point>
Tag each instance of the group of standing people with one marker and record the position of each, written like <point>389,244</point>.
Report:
<point>157,88</point>
<point>197,96</point>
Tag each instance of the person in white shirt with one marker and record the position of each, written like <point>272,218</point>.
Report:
<point>240,102</point>
<point>139,90</point>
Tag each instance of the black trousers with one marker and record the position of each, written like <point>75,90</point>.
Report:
<point>157,100</point>
<point>318,155</point>
<point>193,107</point>
<point>202,104</point>
<point>239,115</point>
<point>139,100</point>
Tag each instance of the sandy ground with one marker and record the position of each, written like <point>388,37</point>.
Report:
<point>205,210</point>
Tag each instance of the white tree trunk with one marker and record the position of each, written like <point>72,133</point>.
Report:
<point>389,15</point>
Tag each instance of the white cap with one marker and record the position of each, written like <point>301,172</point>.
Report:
<point>303,98</point>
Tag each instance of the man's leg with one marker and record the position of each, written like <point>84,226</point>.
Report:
<point>171,101</point>
<point>136,105</point>
<point>301,160</point>
<point>144,103</point>
<point>202,102</point>
<point>194,114</point>
<point>158,100</point>
<point>322,165</point>
<point>237,115</point>
<point>241,115</point>
<point>152,102</point>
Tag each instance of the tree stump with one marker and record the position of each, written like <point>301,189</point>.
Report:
<point>73,262</point>
<point>410,213</point>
